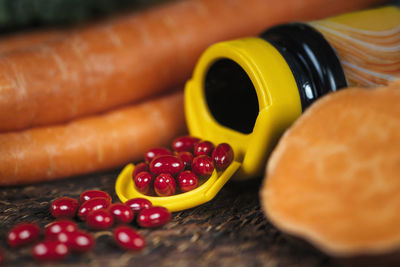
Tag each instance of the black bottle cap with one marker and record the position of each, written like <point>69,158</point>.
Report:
<point>314,63</point>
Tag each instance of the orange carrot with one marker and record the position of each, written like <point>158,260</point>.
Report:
<point>128,58</point>
<point>90,144</point>
<point>29,40</point>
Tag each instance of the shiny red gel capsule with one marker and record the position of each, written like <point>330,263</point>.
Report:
<point>186,158</point>
<point>222,156</point>
<point>185,143</point>
<point>140,167</point>
<point>155,152</point>
<point>64,207</point>
<point>127,238</point>
<point>89,194</point>
<point>99,219</point>
<point>187,181</point>
<point>138,204</point>
<point>79,241</point>
<point>203,166</point>
<point>164,185</point>
<point>91,205</point>
<point>203,148</point>
<point>50,250</point>
<point>22,234</point>
<point>143,182</point>
<point>61,226</point>
<point>122,213</point>
<point>154,217</point>
<point>166,164</point>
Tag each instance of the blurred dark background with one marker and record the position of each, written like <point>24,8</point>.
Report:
<point>16,15</point>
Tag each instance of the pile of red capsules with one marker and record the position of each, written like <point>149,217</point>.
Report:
<point>190,162</point>
<point>95,207</point>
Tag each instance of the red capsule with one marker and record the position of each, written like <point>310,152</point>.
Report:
<point>222,156</point>
<point>164,185</point>
<point>50,250</point>
<point>61,226</point>
<point>22,234</point>
<point>155,152</point>
<point>127,238</point>
<point>138,204</point>
<point>203,166</point>
<point>121,212</point>
<point>184,143</point>
<point>99,219</point>
<point>166,164</point>
<point>64,207</point>
<point>203,148</point>
<point>187,181</point>
<point>143,182</point>
<point>140,167</point>
<point>186,158</point>
<point>79,241</point>
<point>154,217</point>
<point>91,205</point>
<point>89,194</point>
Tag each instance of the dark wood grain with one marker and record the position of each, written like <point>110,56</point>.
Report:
<point>231,230</point>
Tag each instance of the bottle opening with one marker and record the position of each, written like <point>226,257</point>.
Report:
<point>231,96</point>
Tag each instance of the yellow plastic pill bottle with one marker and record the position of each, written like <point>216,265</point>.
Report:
<point>248,91</point>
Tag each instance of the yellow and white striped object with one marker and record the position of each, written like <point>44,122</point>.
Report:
<point>367,43</point>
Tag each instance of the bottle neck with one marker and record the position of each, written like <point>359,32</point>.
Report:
<point>313,62</point>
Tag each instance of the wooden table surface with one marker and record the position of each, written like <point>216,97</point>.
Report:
<point>231,230</point>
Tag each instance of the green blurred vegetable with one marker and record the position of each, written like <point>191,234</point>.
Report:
<point>17,14</point>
